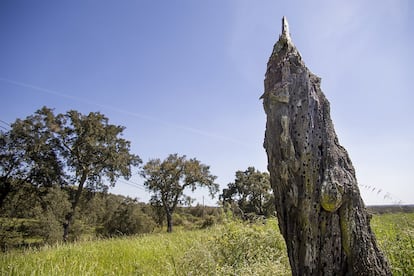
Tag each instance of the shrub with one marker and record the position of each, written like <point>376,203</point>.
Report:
<point>208,222</point>
<point>15,232</point>
<point>52,215</point>
<point>238,248</point>
<point>128,219</point>
<point>35,221</point>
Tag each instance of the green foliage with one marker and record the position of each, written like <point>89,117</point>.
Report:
<point>208,221</point>
<point>93,152</point>
<point>18,233</point>
<point>250,195</point>
<point>197,252</point>
<point>158,211</point>
<point>92,149</point>
<point>44,208</point>
<point>99,214</point>
<point>29,155</point>
<point>22,202</point>
<point>239,244</point>
<point>197,217</point>
<point>51,213</point>
<point>52,151</point>
<point>238,248</point>
<point>128,219</point>
<point>234,248</point>
<point>168,179</point>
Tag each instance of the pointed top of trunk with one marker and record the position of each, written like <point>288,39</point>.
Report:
<point>284,45</point>
<point>285,27</point>
<point>284,54</point>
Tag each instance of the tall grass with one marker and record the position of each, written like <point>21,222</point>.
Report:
<point>234,248</point>
<point>147,255</point>
<point>395,236</point>
<point>239,249</point>
<point>231,249</point>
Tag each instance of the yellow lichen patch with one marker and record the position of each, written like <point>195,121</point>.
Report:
<point>330,203</point>
<point>331,193</point>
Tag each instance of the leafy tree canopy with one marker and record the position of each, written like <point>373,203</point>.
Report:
<point>169,178</point>
<point>251,192</point>
<point>83,151</point>
<point>29,154</point>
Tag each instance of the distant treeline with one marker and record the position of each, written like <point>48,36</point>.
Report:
<point>382,209</point>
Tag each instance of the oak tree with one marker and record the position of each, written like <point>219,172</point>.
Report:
<point>29,155</point>
<point>71,149</point>
<point>168,179</point>
<point>94,154</point>
<point>251,192</point>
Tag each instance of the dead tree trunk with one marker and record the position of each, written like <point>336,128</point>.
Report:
<point>321,214</point>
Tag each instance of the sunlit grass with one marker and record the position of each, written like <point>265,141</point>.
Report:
<point>234,248</point>
<point>395,236</point>
<point>146,255</point>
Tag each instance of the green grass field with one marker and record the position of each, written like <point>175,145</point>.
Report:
<point>234,248</point>
<point>395,236</point>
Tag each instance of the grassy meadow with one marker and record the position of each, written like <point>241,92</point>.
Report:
<point>233,248</point>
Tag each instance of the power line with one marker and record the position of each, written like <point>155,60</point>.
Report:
<point>6,123</point>
<point>127,182</point>
<point>135,183</point>
<point>132,184</point>
<point>129,113</point>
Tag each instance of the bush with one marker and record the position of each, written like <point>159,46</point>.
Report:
<point>16,232</point>
<point>127,220</point>
<point>52,215</point>
<point>36,220</point>
<point>249,243</point>
<point>239,249</point>
<point>209,221</point>
<point>49,228</point>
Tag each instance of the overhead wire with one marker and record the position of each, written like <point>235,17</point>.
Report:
<point>124,181</point>
<point>4,122</point>
<point>133,184</point>
<point>122,111</point>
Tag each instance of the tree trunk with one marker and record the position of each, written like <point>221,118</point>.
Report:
<point>70,216</point>
<point>169,221</point>
<point>5,189</point>
<point>321,214</point>
<point>66,227</point>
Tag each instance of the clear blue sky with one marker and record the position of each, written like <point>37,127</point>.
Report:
<point>186,76</point>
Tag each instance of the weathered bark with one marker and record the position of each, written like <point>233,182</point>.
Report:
<point>321,214</point>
